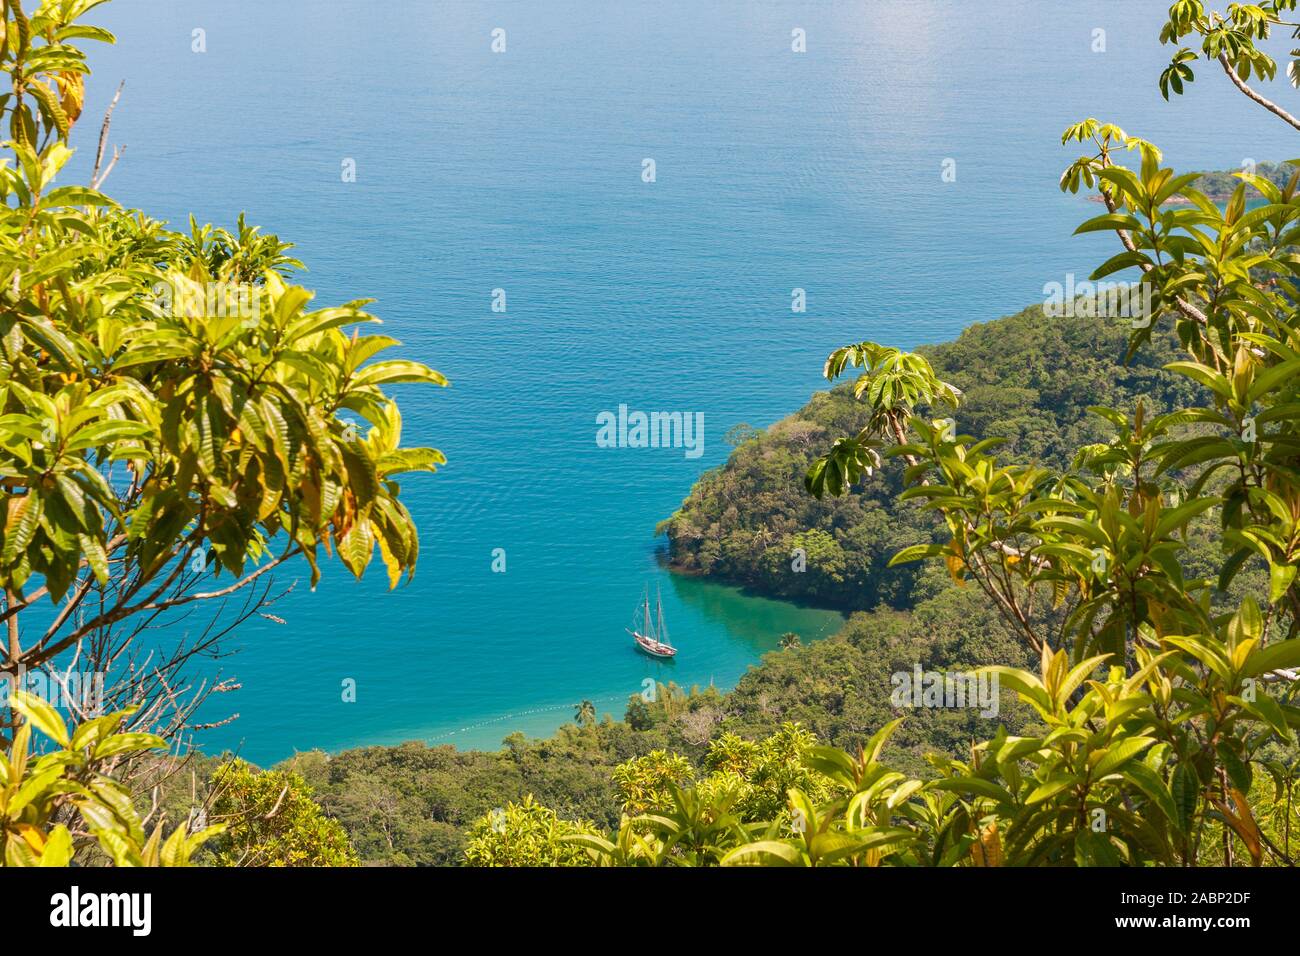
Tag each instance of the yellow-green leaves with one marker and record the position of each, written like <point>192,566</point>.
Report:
<point>170,393</point>
<point>1110,759</point>
<point>58,848</point>
<point>33,789</point>
<point>846,462</point>
<point>398,371</point>
<point>223,392</point>
<point>1281,655</point>
<point>46,68</point>
<point>41,715</point>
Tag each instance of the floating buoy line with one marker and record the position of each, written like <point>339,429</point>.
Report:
<point>550,708</point>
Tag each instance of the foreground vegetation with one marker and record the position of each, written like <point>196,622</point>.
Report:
<point>176,422</point>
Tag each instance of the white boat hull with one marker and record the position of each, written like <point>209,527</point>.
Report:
<point>652,647</point>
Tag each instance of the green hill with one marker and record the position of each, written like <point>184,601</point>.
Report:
<point>1028,377</point>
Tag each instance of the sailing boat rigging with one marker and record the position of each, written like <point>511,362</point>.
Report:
<point>651,633</point>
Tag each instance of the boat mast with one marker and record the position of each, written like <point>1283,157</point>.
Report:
<point>646,621</point>
<point>662,636</point>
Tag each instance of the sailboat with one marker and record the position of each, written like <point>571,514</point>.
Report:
<point>650,633</point>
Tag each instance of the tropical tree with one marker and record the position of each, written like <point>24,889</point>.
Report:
<point>1229,39</point>
<point>268,818</point>
<point>177,420</point>
<point>696,827</point>
<point>585,713</point>
<point>646,782</point>
<point>892,384</point>
<point>1087,560</point>
<point>525,834</point>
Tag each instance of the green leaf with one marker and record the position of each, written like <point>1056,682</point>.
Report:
<point>764,853</point>
<point>50,105</point>
<point>916,552</point>
<point>58,847</point>
<point>1118,754</point>
<point>42,715</point>
<point>1050,788</point>
<point>1185,788</point>
<point>398,370</point>
<point>1203,374</point>
<point>126,743</point>
<point>77,196</point>
<point>32,789</point>
<point>1149,782</point>
<point>24,513</point>
<point>972,785</point>
<point>1282,655</point>
<point>1280,579</point>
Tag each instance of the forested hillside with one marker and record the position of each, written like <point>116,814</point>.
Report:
<point>1220,184</point>
<point>1028,378</point>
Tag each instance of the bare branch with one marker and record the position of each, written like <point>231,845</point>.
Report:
<point>15,606</point>
<point>117,154</point>
<point>15,649</point>
<point>1251,94</point>
<point>96,180</point>
<point>43,652</point>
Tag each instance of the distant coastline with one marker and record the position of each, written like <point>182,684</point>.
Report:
<point>1219,185</point>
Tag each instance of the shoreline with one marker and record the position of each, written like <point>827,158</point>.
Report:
<point>535,721</point>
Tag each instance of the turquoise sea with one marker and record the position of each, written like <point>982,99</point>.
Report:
<point>522,171</point>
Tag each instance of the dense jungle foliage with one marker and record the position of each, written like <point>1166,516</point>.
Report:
<point>413,804</point>
<point>1028,378</point>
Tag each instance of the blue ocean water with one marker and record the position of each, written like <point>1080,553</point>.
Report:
<point>522,170</point>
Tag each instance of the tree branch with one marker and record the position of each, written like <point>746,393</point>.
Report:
<point>41,653</point>
<point>1251,94</point>
<point>15,648</point>
<point>96,180</point>
<point>1183,306</point>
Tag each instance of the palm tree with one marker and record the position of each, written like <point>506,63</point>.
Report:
<point>790,639</point>
<point>585,713</point>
